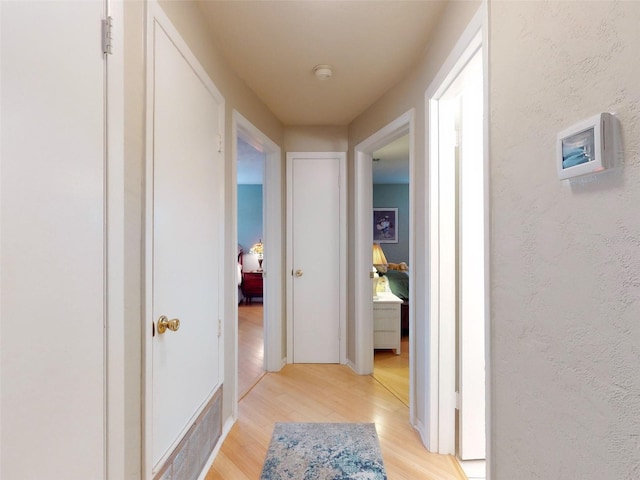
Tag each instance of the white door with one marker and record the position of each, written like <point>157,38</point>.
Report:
<point>187,218</point>
<point>52,300</point>
<point>315,257</point>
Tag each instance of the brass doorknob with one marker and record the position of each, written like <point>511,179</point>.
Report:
<point>164,323</point>
<point>298,273</point>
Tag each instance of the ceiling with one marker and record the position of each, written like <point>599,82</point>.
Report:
<point>391,162</point>
<point>273,47</point>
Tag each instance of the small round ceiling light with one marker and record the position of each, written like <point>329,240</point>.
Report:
<point>323,72</point>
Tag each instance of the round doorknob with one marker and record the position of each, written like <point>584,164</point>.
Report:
<point>164,323</point>
<point>299,273</point>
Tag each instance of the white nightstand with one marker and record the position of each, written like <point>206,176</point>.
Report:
<point>386,321</point>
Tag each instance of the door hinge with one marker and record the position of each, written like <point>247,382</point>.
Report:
<point>107,45</point>
<point>220,144</point>
<point>219,328</point>
<point>457,406</point>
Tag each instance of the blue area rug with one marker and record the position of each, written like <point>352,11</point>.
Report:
<point>324,451</point>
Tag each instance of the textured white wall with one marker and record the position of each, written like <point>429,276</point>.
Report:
<point>565,258</point>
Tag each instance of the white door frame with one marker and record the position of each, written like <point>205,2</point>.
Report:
<point>341,276</point>
<point>272,235</point>
<point>363,239</point>
<point>155,13</point>
<point>115,250</point>
<point>442,342</point>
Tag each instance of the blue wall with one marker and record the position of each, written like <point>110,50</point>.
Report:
<point>249,215</point>
<point>395,196</point>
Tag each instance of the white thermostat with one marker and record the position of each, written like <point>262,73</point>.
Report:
<point>586,147</point>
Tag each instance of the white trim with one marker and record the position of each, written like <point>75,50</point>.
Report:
<point>231,322</point>
<point>439,432</point>
<point>272,235</point>
<point>115,251</point>
<point>474,469</point>
<point>363,236</point>
<point>155,15</point>
<point>342,274</point>
<point>487,239</point>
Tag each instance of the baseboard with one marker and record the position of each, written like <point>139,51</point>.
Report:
<point>228,424</point>
<point>474,469</point>
<point>352,366</point>
<point>194,449</point>
<point>424,435</point>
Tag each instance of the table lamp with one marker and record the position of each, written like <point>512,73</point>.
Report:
<point>380,263</point>
<point>258,249</point>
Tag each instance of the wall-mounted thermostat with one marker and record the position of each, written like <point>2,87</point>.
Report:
<point>586,147</point>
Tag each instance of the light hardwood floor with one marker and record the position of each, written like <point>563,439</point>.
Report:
<point>250,346</point>
<point>322,393</point>
<point>393,370</point>
<point>326,393</point>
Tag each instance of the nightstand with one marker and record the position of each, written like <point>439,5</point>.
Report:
<point>386,321</point>
<point>251,285</point>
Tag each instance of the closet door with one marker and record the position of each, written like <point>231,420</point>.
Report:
<point>315,257</point>
<point>186,215</point>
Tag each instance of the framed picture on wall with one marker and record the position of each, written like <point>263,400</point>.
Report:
<point>385,225</point>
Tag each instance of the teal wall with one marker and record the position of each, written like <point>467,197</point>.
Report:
<point>249,215</point>
<point>395,196</point>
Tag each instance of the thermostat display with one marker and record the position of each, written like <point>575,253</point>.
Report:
<point>585,147</point>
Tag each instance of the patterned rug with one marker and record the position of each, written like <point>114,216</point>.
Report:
<point>324,451</point>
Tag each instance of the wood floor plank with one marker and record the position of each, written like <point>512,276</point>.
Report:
<point>326,393</point>
<point>393,370</point>
<point>250,346</point>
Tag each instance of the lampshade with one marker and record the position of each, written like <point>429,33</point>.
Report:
<point>378,255</point>
<point>257,248</point>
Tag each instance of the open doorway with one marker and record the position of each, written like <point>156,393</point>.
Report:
<point>262,165</point>
<point>390,175</point>
<point>365,308</point>
<point>250,221</point>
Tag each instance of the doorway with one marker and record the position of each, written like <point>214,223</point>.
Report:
<point>266,163</point>
<point>250,219</point>
<point>390,175</point>
<point>363,239</point>
<point>458,233</point>
<point>316,247</point>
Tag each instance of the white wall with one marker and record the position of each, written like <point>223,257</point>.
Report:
<point>565,258</point>
<point>321,138</point>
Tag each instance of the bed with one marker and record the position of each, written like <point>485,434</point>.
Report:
<point>397,282</point>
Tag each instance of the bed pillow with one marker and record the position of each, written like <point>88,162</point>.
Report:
<point>398,266</point>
